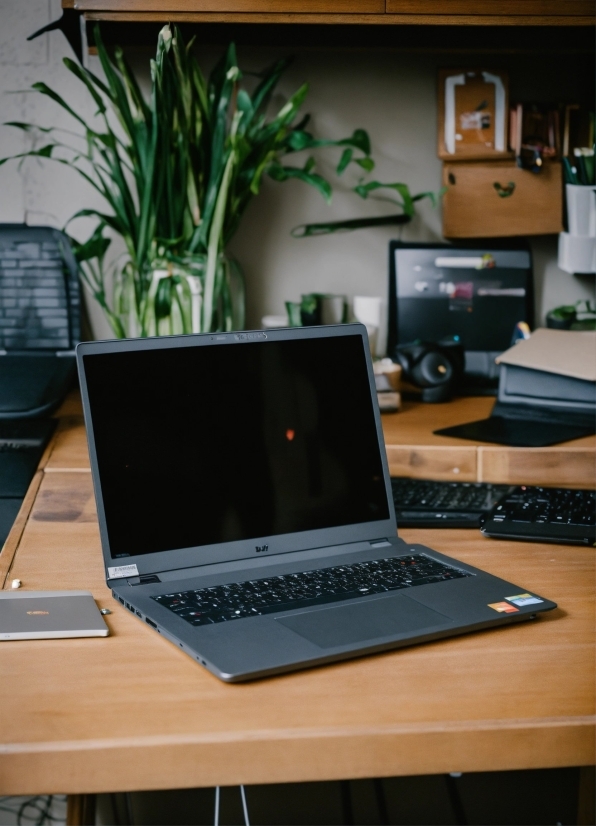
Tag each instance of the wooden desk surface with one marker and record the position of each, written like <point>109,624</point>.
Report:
<point>133,712</point>
<point>413,450</point>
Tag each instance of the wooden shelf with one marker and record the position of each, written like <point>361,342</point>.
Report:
<point>342,12</point>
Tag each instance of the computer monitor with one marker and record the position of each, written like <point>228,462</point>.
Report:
<point>477,294</point>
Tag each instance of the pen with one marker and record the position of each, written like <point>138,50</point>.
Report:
<point>570,176</point>
<point>585,165</point>
<point>589,162</point>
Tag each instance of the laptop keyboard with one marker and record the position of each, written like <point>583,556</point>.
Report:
<point>255,597</point>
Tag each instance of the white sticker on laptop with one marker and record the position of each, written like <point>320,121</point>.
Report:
<point>524,599</point>
<point>122,571</point>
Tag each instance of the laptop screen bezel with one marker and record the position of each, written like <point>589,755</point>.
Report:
<point>192,557</point>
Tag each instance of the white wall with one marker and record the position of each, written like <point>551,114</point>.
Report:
<point>391,95</point>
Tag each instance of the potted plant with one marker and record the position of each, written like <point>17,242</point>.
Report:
<point>176,172</point>
<point>578,316</point>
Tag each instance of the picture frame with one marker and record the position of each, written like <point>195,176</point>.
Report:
<point>473,114</point>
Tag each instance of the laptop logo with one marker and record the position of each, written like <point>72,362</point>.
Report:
<point>38,612</point>
<point>250,336</point>
<point>261,549</point>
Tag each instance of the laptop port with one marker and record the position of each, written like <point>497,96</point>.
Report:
<point>130,608</point>
<point>121,600</point>
<point>150,622</point>
<point>138,613</point>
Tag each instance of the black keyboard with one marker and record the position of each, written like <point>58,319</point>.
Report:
<point>544,514</point>
<point>425,504</point>
<point>269,595</point>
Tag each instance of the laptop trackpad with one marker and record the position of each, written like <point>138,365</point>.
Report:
<point>346,624</point>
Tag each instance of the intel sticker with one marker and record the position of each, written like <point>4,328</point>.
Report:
<point>524,599</point>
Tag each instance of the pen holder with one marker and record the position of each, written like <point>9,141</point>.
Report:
<point>577,253</point>
<point>581,210</point>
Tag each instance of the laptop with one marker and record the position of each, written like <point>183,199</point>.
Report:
<point>245,508</point>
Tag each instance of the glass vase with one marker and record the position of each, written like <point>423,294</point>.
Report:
<point>169,298</point>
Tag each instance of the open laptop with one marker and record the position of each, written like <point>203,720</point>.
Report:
<point>245,507</point>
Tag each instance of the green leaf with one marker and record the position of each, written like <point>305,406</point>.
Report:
<point>44,89</point>
<point>44,152</point>
<point>366,163</point>
<point>221,84</point>
<point>214,245</point>
<point>29,127</point>
<point>283,173</point>
<point>407,203</point>
<point>309,165</point>
<point>346,157</point>
<point>298,140</point>
<point>163,298</point>
<point>244,104</point>
<point>359,139</point>
<point>270,79</point>
<point>432,196</point>
<point>132,86</point>
<point>82,74</point>
<point>94,247</point>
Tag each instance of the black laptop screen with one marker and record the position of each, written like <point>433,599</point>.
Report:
<point>211,444</point>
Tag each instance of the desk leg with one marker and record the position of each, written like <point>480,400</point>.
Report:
<point>80,810</point>
<point>586,795</point>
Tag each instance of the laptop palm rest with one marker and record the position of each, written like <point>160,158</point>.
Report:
<point>375,618</point>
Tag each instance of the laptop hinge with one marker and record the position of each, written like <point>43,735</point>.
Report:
<point>144,579</point>
<point>379,543</point>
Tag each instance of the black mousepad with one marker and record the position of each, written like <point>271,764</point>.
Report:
<point>517,432</point>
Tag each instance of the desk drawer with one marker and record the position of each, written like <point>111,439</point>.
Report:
<point>425,462</point>
<point>565,466</point>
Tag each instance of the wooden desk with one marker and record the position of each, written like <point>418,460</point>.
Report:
<point>132,712</point>
<point>413,450</point>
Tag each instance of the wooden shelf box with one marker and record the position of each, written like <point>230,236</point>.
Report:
<point>496,198</point>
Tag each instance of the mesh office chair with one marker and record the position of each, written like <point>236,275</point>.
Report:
<point>39,329</point>
<point>39,320</point>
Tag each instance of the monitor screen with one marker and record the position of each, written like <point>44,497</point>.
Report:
<point>476,296</point>
<point>207,444</point>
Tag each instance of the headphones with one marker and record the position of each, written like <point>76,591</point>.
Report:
<point>436,367</point>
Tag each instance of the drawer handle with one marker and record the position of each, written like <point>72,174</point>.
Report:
<point>504,191</point>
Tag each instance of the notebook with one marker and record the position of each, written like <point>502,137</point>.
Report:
<point>47,615</point>
<point>245,508</point>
